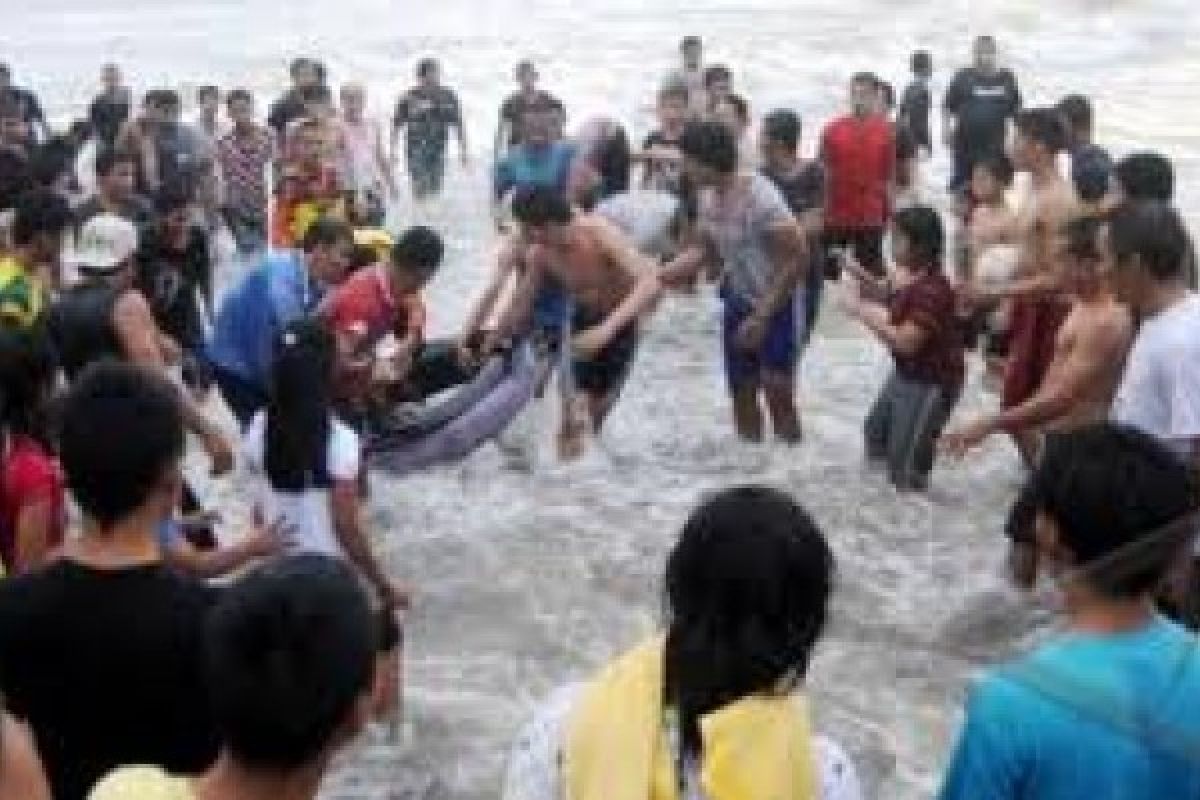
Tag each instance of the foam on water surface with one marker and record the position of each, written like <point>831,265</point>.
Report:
<point>531,576</point>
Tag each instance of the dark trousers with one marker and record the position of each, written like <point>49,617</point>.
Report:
<point>865,243</point>
<point>243,398</point>
<point>903,427</point>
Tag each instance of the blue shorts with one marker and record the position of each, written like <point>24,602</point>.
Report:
<point>780,350</point>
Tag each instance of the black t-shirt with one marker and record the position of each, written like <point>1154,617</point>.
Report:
<point>173,281</point>
<point>983,102</point>
<point>106,665</point>
<point>107,113</point>
<point>285,111</point>
<point>513,110</point>
<point>914,113</point>
<point>429,114</point>
<point>803,190</point>
<point>27,101</point>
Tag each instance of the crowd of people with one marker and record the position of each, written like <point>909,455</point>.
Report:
<point>126,673</point>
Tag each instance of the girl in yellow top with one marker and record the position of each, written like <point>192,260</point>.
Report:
<point>713,709</point>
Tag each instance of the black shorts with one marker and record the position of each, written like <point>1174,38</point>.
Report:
<point>606,372</point>
<point>865,243</point>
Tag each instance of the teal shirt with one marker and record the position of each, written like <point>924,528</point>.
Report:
<point>1086,718</point>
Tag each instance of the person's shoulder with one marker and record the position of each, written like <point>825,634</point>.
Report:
<point>141,783</point>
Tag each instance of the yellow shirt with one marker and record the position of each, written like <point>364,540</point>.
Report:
<point>22,297</point>
<point>142,783</point>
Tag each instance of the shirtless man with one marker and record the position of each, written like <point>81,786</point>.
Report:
<point>1038,308</point>
<point>610,285</point>
<point>1078,389</point>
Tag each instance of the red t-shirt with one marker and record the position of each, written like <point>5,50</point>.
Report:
<point>366,303</point>
<point>860,160</point>
<point>29,475</point>
<point>930,303</point>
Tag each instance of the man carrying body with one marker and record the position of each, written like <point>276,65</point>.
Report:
<point>1089,354</point>
<point>980,101</point>
<point>609,284</point>
<point>509,132</point>
<point>1038,309</point>
<point>288,285</point>
<point>745,225</point>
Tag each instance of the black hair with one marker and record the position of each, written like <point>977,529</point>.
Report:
<point>16,176</point>
<point>717,73</point>
<point>1083,237</point>
<point>1044,126</point>
<point>613,160</point>
<point>238,96</point>
<point>299,64</point>
<point>363,255</point>
<point>712,145</point>
<point>1152,231</point>
<point>1106,487</point>
<point>674,90</point>
<point>425,66</point>
<point>11,108</point>
<point>987,39</point>
<point>300,408</point>
<point>289,650</point>
<point>1146,176</point>
<point>1077,111</point>
<point>747,591</point>
<point>173,196</point>
<point>999,166</point>
<point>419,249</point>
<point>922,63</point>
<point>539,206</point>
<point>740,107</point>
<point>315,93</point>
<point>121,430</point>
<point>40,211</point>
<point>690,42</point>
<point>922,227</point>
<point>782,127</point>
<point>865,78</point>
<point>109,157</point>
<point>888,91</point>
<point>525,65</point>
<point>51,160</point>
<point>169,99</point>
<point>326,231</point>
<point>27,370</point>
<point>208,90</point>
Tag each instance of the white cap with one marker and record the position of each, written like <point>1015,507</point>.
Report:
<point>104,242</point>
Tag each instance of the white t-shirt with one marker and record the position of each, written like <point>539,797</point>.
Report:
<point>1160,390</point>
<point>306,515</point>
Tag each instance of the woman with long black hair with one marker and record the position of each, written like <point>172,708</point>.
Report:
<point>305,462</point>
<point>713,709</point>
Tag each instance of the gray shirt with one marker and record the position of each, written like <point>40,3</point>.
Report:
<point>738,226</point>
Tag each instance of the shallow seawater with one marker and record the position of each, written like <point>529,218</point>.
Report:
<point>529,578</point>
